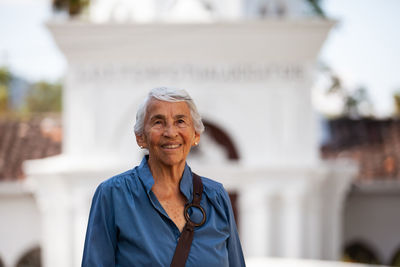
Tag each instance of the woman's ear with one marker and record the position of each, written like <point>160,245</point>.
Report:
<point>196,139</point>
<point>140,140</point>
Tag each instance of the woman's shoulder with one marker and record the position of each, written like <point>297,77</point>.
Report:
<point>211,184</point>
<point>121,181</point>
<point>217,196</point>
<point>213,188</point>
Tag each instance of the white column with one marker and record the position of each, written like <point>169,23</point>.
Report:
<point>293,222</point>
<point>54,206</point>
<point>313,231</point>
<point>334,193</point>
<point>257,221</point>
<point>81,206</point>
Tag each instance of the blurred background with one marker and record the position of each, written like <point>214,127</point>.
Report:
<point>300,98</point>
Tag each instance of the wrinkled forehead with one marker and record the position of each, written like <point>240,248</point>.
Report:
<point>158,107</point>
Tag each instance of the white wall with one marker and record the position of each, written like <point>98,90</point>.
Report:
<point>372,216</point>
<point>251,78</point>
<point>19,224</point>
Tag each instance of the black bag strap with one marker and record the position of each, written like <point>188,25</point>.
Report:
<point>185,241</point>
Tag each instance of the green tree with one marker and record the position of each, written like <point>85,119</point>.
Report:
<point>44,97</point>
<point>396,98</point>
<point>73,7</point>
<point>356,102</point>
<point>315,4</point>
<point>5,78</point>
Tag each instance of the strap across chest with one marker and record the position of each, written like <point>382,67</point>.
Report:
<point>185,241</point>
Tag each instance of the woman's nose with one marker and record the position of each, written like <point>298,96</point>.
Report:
<point>170,130</point>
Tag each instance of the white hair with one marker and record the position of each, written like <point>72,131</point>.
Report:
<point>169,95</point>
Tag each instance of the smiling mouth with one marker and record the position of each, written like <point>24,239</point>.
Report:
<point>171,146</point>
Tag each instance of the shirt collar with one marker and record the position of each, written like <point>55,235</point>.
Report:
<point>186,184</point>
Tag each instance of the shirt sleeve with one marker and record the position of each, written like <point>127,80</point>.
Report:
<point>235,252</point>
<point>100,242</point>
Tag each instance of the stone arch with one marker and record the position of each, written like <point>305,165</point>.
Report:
<point>31,258</point>
<point>222,138</point>
<point>395,261</point>
<point>361,252</point>
<point>231,153</point>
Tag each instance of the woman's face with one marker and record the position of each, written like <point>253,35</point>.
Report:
<point>168,132</point>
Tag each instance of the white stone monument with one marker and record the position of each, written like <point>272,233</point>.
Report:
<point>251,79</point>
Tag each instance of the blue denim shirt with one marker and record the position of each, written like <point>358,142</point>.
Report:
<point>129,227</point>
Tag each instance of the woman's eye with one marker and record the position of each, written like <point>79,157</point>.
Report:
<point>181,123</point>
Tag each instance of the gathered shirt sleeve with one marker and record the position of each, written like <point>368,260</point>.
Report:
<point>101,233</point>
<point>235,254</point>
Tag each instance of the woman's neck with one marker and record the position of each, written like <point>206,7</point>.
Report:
<point>165,175</point>
<point>167,190</point>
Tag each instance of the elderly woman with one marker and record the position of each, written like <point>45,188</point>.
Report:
<point>160,213</point>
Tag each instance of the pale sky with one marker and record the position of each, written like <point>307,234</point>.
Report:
<point>362,48</point>
<point>26,46</point>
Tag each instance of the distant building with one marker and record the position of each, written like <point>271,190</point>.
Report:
<point>20,226</point>
<point>371,219</point>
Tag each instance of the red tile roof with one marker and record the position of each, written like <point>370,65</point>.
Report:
<point>374,144</point>
<point>20,140</point>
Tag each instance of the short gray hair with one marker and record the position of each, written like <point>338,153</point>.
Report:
<point>169,95</point>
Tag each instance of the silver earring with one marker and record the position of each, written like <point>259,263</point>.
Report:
<point>196,143</point>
